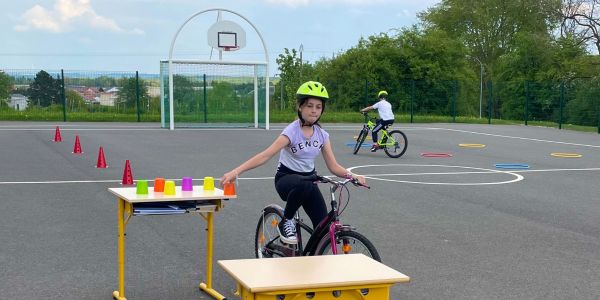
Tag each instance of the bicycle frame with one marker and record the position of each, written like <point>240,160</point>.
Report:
<point>328,226</point>
<point>390,141</point>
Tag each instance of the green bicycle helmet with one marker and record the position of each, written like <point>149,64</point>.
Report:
<point>382,94</point>
<point>311,89</point>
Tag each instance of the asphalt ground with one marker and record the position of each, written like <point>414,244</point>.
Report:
<point>458,226</point>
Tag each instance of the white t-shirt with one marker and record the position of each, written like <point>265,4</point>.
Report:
<point>384,109</point>
<point>300,154</point>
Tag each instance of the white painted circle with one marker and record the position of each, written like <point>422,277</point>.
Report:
<point>517,178</point>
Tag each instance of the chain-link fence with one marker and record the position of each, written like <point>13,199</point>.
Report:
<point>548,103</point>
<point>81,96</point>
<point>130,96</point>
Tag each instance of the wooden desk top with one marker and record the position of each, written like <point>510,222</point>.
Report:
<point>305,272</point>
<point>129,194</point>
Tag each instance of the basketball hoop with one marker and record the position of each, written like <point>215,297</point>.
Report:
<point>229,48</point>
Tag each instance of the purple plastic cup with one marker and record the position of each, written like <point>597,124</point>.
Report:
<point>186,184</point>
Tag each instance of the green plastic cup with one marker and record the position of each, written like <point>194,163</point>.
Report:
<point>141,187</point>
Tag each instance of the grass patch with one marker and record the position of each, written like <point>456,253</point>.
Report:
<point>277,116</point>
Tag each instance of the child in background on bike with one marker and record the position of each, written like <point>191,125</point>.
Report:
<point>386,116</point>
<point>298,146</point>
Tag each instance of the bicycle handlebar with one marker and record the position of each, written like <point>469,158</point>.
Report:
<point>367,117</point>
<point>322,179</point>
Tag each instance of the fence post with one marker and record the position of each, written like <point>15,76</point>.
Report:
<point>526,108</point>
<point>205,115</point>
<point>562,99</point>
<point>455,95</point>
<point>137,95</point>
<point>412,98</point>
<point>63,94</point>
<point>490,102</point>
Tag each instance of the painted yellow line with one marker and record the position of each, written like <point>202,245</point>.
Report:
<point>566,155</point>
<point>472,145</point>
<point>356,136</point>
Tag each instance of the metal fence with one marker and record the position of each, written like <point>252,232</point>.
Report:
<point>129,96</point>
<point>81,96</point>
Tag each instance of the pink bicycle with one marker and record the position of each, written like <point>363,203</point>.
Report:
<point>329,237</point>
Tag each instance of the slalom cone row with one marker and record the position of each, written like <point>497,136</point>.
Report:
<point>101,162</point>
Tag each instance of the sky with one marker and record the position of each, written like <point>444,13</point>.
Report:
<point>134,35</point>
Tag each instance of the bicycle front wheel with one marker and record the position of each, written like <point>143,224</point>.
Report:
<point>398,145</point>
<point>360,139</point>
<point>348,242</point>
<point>267,237</point>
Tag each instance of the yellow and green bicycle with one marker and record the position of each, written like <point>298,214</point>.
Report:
<point>394,142</point>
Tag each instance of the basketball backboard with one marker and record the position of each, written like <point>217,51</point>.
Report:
<point>227,36</point>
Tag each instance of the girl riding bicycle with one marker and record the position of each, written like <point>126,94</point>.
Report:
<point>298,146</point>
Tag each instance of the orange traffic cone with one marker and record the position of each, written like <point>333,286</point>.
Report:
<point>57,137</point>
<point>127,177</point>
<point>77,147</point>
<point>101,164</point>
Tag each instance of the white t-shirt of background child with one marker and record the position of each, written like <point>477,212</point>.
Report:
<point>384,109</point>
<point>300,154</point>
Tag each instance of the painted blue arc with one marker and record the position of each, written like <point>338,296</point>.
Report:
<point>512,166</point>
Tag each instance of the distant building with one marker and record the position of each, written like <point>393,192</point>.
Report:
<point>17,102</point>
<point>153,91</point>
<point>107,99</point>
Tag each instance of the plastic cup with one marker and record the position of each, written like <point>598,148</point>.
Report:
<point>169,187</point>
<point>209,183</point>
<point>141,187</point>
<point>229,189</point>
<point>186,184</point>
<point>159,185</point>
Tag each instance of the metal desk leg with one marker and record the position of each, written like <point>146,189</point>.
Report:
<point>120,294</point>
<point>207,287</point>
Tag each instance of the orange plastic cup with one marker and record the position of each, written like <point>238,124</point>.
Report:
<point>159,184</point>
<point>229,189</point>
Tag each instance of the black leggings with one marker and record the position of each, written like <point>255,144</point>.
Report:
<point>297,191</point>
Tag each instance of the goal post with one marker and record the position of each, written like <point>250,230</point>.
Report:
<point>214,94</point>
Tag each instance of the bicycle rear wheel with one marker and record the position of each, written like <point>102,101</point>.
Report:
<point>399,146</point>
<point>360,139</point>
<point>348,242</point>
<point>266,239</point>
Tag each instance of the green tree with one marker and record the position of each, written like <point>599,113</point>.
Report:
<point>44,90</point>
<point>6,85</point>
<point>128,93</point>
<point>293,73</point>
<point>489,27</point>
<point>75,101</point>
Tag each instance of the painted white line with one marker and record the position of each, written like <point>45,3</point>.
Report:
<point>127,129</point>
<point>521,138</point>
<point>516,179</point>
<point>556,170</point>
<point>372,176</point>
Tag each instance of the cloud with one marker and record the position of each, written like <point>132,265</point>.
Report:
<point>67,15</point>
